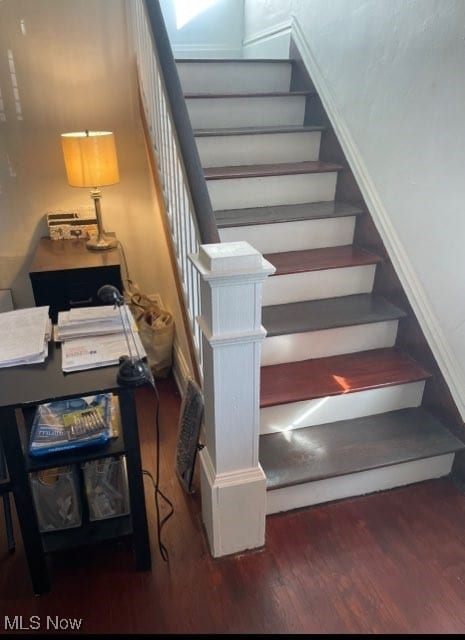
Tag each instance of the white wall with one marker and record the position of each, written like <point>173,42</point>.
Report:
<point>266,28</point>
<point>73,71</point>
<point>391,75</point>
<point>214,32</point>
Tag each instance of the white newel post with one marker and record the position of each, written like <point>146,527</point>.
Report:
<point>232,481</point>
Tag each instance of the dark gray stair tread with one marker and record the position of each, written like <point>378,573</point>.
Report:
<point>270,170</point>
<point>315,315</point>
<point>244,131</point>
<point>350,446</point>
<point>284,213</point>
<point>250,94</point>
<point>234,60</point>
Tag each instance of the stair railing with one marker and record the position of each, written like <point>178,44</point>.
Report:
<point>222,287</point>
<point>174,152</point>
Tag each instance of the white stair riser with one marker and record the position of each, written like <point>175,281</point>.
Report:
<point>328,342</point>
<point>314,285</point>
<point>294,236</point>
<point>234,77</point>
<point>357,484</point>
<point>306,413</point>
<point>241,193</point>
<point>212,113</point>
<point>262,148</point>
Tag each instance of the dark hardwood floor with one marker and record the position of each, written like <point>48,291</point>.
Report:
<point>386,563</point>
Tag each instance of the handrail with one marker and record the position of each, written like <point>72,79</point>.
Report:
<point>208,232</point>
<point>174,160</point>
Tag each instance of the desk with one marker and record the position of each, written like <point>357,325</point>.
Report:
<point>65,274</point>
<point>21,390</point>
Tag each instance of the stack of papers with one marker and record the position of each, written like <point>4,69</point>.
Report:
<point>89,321</point>
<point>25,334</point>
<point>97,337</point>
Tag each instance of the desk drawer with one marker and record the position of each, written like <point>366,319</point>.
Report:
<point>64,290</point>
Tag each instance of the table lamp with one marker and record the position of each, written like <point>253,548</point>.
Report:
<point>90,161</point>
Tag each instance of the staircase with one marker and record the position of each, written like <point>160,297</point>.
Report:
<point>342,406</point>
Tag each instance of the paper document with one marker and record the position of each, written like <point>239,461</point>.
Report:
<point>88,321</point>
<point>24,335</point>
<point>99,351</point>
<point>90,314</point>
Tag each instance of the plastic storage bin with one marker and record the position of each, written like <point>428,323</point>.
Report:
<point>106,484</point>
<point>56,498</point>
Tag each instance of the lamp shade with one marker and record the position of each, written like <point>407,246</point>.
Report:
<point>90,158</point>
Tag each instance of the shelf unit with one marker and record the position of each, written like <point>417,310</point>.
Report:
<point>22,389</point>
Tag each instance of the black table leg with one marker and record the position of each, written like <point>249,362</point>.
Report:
<point>135,480</point>
<point>16,464</point>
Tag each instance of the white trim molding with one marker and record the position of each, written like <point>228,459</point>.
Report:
<point>181,371</point>
<point>225,495</point>
<point>446,359</point>
<point>232,480</point>
<point>275,39</point>
<point>186,51</point>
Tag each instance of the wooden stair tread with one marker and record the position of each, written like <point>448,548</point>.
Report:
<point>243,131</point>
<point>336,375</point>
<point>350,446</point>
<point>284,213</point>
<point>272,169</point>
<point>315,315</point>
<point>249,94</point>
<point>235,60</point>
<point>317,259</point>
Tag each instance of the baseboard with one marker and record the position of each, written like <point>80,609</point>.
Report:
<point>269,43</point>
<point>181,370</point>
<point>428,321</point>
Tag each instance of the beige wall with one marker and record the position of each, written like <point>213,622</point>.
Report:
<point>73,71</point>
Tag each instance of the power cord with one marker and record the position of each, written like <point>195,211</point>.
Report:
<point>156,481</point>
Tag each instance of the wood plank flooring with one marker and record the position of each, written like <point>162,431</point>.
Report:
<point>284,213</point>
<point>335,375</point>
<point>264,170</point>
<point>320,259</point>
<point>387,563</point>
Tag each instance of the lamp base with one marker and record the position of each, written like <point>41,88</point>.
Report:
<point>133,372</point>
<point>101,244</point>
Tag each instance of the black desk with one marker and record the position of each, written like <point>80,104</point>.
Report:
<point>65,274</point>
<point>21,389</point>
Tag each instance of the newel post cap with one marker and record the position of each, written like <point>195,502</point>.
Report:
<point>226,259</point>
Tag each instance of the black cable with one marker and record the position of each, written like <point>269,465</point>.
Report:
<point>156,482</point>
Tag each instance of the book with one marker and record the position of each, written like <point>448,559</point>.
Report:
<point>67,424</point>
